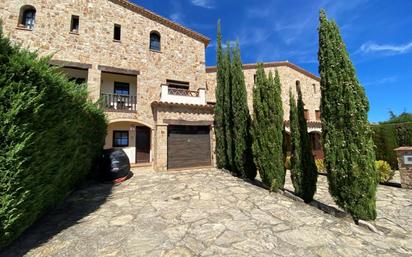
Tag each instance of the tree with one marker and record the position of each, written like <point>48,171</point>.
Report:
<point>267,129</point>
<point>309,169</point>
<point>227,111</point>
<point>243,158</point>
<point>295,161</point>
<point>221,160</point>
<point>347,138</point>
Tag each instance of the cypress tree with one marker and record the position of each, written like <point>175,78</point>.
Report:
<point>219,122</point>
<point>310,172</point>
<point>346,133</point>
<point>227,111</point>
<point>296,171</point>
<point>267,129</point>
<point>243,158</point>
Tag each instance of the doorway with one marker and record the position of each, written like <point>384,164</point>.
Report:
<point>142,145</point>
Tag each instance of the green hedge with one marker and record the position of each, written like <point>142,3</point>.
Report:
<point>387,137</point>
<point>50,136</point>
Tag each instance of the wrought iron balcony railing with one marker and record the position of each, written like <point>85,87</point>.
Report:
<point>182,92</point>
<point>119,102</point>
<point>182,95</point>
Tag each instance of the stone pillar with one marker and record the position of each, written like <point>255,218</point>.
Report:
<point>213,144</point>
<point>161,148</point>
<point>94,82</point>
<point>404,155</point>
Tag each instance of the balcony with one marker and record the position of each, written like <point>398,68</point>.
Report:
<point>182,95</point>
<point>118,102</point>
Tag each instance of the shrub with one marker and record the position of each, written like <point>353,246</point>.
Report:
<point>320,165</point>
<point>287,163</point>
<point>50,135</point>
<point>384,170</point>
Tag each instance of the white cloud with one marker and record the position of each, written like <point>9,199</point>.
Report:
<point>176,17</point>
<point>203,3</point>
<point>382,81</point>
<point>371,47</point>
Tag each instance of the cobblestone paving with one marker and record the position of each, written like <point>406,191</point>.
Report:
<point>394,207</point>
<point>198,213</point>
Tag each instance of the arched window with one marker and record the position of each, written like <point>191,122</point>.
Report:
<point>27,16</point>
<point>154,41</point>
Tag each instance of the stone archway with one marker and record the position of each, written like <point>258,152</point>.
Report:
<point>134,137</point>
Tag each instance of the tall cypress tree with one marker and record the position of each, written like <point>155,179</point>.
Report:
<point>347,140</point>
<point>267,129</point>
<point>243,158</point>
<point>219,120</point>
<point>276,110</point>
<point>309,169</point>
<point>296,171</point>
<point>227,111</point>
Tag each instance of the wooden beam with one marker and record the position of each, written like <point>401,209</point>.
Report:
<point>68,64</point>
<point>188,123</point>
<point>115,70</point>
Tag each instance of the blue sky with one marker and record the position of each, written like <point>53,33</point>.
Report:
<point>377,33</point>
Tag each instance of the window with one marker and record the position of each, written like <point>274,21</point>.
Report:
<point>317,115</point>
<point>117,32</point>
<point>314,88</point>
<point>120,138</point>
<point>78,81</point>
<point>74,25</point>
<point>254,78</point>
<point>177,84</point>
<point>306,114</point>
<point>121,88</point>
<point>154,41</point>
<point>27,17</point>
<point>298,86</point>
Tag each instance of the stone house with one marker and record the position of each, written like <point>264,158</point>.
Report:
<point>147,72</point>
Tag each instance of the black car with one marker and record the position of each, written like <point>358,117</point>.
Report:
<point>115,165</point>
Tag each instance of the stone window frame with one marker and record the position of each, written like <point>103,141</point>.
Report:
<point>117,29</point>
<point>154,47</point>
<point>74,20</point>
<point>22,21</point>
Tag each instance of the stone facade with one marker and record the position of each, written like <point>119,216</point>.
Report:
<point>404,156</point>
<point>92,55</point>
<point>181,58</point>
<point>289,74</point>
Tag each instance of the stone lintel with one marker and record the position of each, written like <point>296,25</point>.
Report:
<point>73,65</point>
<point>115,70</point>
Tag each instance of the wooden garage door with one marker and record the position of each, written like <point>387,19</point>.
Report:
<point>188,146</point>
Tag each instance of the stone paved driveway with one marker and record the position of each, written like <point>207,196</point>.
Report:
<point>198,213</point>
